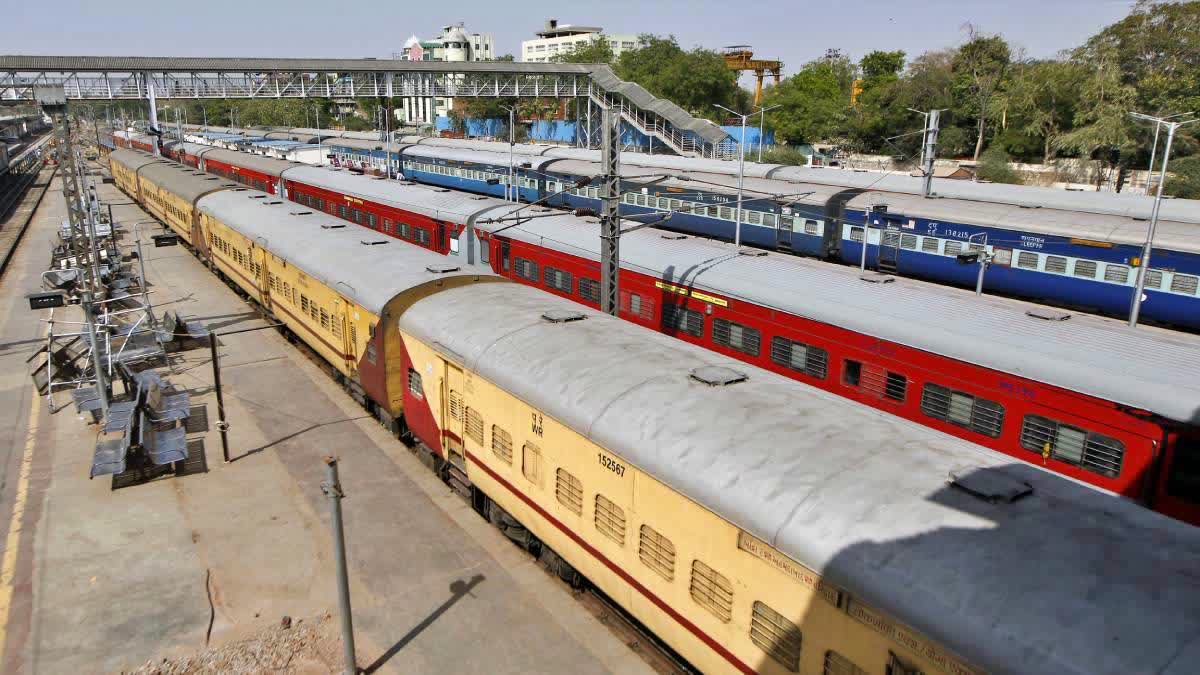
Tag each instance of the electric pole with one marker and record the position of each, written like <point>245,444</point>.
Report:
<point>610,218</point>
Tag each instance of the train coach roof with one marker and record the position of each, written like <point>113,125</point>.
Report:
<point>439,203</point>
<point>1111,203</point>
<point>1116,229</point>
<point>328,249</point>
<point>133,159</point>
<point>476,156</point>
<point>1065,580</point>
<point>184,181</point>
<point>1146,368</point>
<point>267,165</point>
<point>193,149</point>
<point>487,146</point>
<point>357,143</point>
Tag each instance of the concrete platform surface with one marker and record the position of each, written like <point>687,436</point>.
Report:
<point>100,580</point>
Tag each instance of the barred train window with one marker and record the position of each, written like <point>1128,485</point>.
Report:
<point>414,384</point>
<point>773,633</point>
<point>526,269</point>
<point>531,463</point>
<point>963,409</point>
<point>1089,450</point>
<point>502,444</point>
<point>1027,260</point>
<point>656,552</point>
<point>836,664</point>
<point>474,428</point>
<point>1184,283</point>
<point>455,405</point>
<point>636,305</point>
<point>812,361</point>
<point>956,247</point>
<point>1056,264</point>
<point>569,491</point>
<point>875,380</point>
<point>1085,269</point>
<point>736,336</point>
<point>557,279</point>
<point>589,289</point>
<point>610,519</point>
<point>712,591</point>
<point>1116,273</point>
<point>676,318</point>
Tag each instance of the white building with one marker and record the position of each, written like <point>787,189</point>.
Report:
<point>565,38</point>
<point>454,44</point>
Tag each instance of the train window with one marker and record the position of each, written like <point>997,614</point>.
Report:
<point>954,248</point>
<point>962,409</point>
<point>812,361</point>
<point>1085,269</point>
<point>455,405</point>
<point>637,306</point>
<point>856,234</point>
<point>773,633</point>
<point>712,591</point>
<point>736,336</point>
<point>876,380</point>
<point>656,552</point>
<point>930,244</point>
<point>342,210</point>
<point>405,231</point>
<point>1027,260</point>
<point>304,303</point>
<point>683,320</point>
<point>324,319</point>
<point>558,279</point>
<point>610,519</point>
<point>726,213</point>
<point>589,289</point>
<point>1184,283</point>
<point>769,219</point>
<point>1056,264</point>
<point>811,227</point>
<point>504,254</point>
<point>1116,273</point>
<point>836,664</point>
<point>474,426</point>
<point>1094,452</point>
<point>908,241</point>
<point>1183,478</point>
<point>526,269</point>
<point>754,218</point>
<point>422,237</point>
<point>531,463</point>
<point>502,444</point>
<point>569,491</point>
<point>414,384</point>
<point>387,226</point>
<point>896,666</point>
<point>371,220</point>
<point>1153,278</point>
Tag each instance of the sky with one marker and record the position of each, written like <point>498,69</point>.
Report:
<point>794,31</point>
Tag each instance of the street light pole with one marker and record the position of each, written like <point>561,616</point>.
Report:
<point>1154,149</point>
<point>512,139</point>
<point>737,229</point>
<point>1144,264</point>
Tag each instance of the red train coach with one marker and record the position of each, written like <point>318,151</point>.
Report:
<point>1118,413</point>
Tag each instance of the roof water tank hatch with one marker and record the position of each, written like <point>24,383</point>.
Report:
<point>563,315</point>
<point>718,376</point>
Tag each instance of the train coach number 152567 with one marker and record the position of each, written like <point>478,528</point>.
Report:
<point>611,464</point>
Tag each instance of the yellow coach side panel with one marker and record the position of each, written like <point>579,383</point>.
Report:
<point>720,597</point>
<point>330,324</point>
<point>124,177</point>
<point>235,255</point>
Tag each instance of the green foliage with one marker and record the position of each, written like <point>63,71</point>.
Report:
<point>1039,103</point>
<point>993,166</point>
<point>813,102</point>
<point>695,80</point>
<point>979,69</point>
<point>1101,119</point>
<point>878,66</point>
<point>784,154</point>
<point>1183,178</point>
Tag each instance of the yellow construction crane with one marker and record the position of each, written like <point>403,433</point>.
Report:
<point>741,57</point>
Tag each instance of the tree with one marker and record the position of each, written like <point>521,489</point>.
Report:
<point>813,102</point>
<point>1183,178</point>
<point>993,166</point>
<point>1102,125</point>
<point>695,80</point>
<point>1039,102</point>
<point>979,69</point>
<point>878,66</point>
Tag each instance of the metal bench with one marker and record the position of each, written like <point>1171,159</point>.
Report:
<point>162,446</point>
<point>166,407</point>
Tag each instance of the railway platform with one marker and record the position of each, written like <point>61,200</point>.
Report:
<point>94,579</point>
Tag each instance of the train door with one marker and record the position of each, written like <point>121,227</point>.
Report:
<point>786,223</point>
<point>1179,487</point>
<point>889,250</point>
<point>453,414</point>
